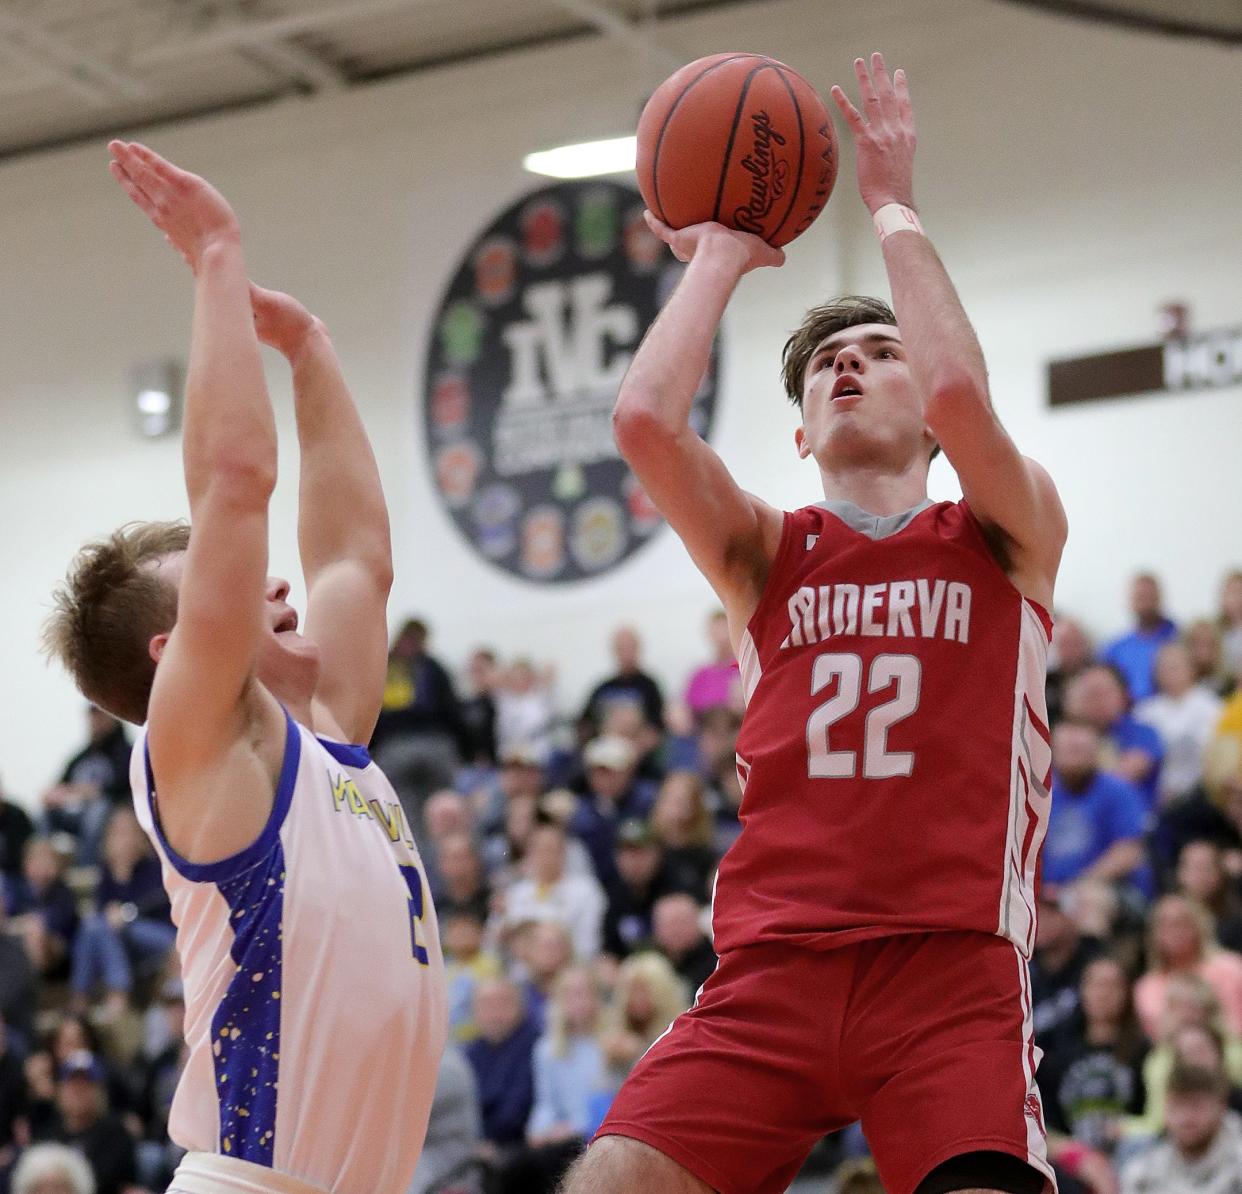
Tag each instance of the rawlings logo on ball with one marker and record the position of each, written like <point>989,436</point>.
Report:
<point>768,174</point>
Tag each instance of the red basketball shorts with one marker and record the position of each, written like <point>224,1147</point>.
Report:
<point>926,1038</point>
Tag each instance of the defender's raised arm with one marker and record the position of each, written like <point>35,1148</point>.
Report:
<point>343,532</point>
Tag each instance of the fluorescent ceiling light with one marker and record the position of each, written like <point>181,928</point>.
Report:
<point>586,159</point>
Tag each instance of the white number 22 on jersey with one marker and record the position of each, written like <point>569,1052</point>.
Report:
<point>878,761</point>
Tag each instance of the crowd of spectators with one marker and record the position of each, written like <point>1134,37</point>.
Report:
<point>571,855</point>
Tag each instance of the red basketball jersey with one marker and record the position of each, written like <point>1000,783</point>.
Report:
<point>894,757</point>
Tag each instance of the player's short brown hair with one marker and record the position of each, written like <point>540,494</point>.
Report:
<point>817,325</point>
<point>110,606</point>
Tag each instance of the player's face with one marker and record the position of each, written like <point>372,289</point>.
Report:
<point>860,405</point>
<point>287,662</point>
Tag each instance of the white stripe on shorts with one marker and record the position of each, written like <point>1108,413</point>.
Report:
<point>212,1173</point>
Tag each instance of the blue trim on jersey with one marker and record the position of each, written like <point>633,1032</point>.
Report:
<point>347,753</point>
<point>269,837</point>
<point>245,1030</point>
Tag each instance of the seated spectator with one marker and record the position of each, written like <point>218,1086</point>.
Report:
<point>19,990</point>
<point>157,1155</point>
<point>711,684</point>
<point>1207,657</point>
<point>572,1087</point>
<point>84,1121</point>
<point>1096,827</point>
<point>1213,812</point>
<point>629,683</point>
<point>1132,751</point>
<point>466,965</point>
<point>132,921</point>
<point>1181,942</point>
<point>1185,717</point>
<point>677,931</point>
<point>624,719</point>
<point>461,882</point>
<point>612,795</point>
<point>1059,961</point>
<point>548,893</point>
<point>94,779</point>
<point>42,908</point>
<point>1231,622</point>
<point>683,824</point>
<point>418,735</point>
<point>1191,1007</point>
<point>1071,651</point>
<point>501,1057</point>
<point>641,879</point>
<point>526,707</point>
<point>478,711</point>
<point>1201,877</point>
<point>646,999</point>
<point>12,1093</point>
<point>454,1132</point>
<point>75,1034</point>
<point>1134,654</point>
<point>1092,1071</point>
<point>15,830</point>
<point>52,1169</point>
<point>1202,1153</point>
<point>543,950</point>
<point>445,812</point>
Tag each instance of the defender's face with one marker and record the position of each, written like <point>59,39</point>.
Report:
<point>859,400</point>
<point>285,657</point>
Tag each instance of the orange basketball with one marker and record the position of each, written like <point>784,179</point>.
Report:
<point>740,139</point>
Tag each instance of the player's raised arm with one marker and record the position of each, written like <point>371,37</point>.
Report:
<point>730,535</point>
<point>196,717</point>
<point>343,531</point>
<point>1005,489</point>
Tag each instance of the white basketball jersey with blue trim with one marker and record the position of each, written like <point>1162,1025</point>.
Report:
<point>315,1000</point>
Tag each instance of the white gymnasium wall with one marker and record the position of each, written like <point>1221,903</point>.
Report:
<point>1073,177</point>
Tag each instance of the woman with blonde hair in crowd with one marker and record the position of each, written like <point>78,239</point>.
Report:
<point>1190,1005</point>
<point>647,998</point>
<point>1203,640</point>
<point>683,825</point>
<point>572,1088</point>
<point>1181,942</point>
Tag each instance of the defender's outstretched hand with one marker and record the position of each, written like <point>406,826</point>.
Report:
<point>883,134</point>
<point>280,321</point>
<point>188,210</point>
<point>751,250</point>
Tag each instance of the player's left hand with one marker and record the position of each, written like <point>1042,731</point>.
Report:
<point>281,321</point>
<point>883,134</point>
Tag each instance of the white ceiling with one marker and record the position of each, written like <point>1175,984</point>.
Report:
<point>71,69</point>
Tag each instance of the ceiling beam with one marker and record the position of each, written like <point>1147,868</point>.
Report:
<point>292,61</point>
<point>619,29</point>
<point>91,79</point>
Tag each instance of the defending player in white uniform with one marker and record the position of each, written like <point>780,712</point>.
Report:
<point>315,1001</point>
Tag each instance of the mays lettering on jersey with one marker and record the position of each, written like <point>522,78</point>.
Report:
<point>894,756</point>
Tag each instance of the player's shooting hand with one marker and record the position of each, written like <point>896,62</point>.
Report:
<point>188,210</point>
<point>744,248</point>
<point>883,134</point>
<point>281,321</point>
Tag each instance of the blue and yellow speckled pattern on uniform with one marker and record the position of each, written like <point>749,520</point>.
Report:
<point>245,1031</point>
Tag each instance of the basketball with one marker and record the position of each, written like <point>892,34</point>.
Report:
<point>740,139</point>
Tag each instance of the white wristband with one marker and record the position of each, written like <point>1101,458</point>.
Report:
<point>896,217</point>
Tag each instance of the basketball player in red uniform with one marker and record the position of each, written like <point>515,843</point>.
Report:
<point>875,917</point>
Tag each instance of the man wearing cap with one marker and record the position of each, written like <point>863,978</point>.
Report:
<point>640,881</point>
<point>611,795</point>
<point>86,1123</point>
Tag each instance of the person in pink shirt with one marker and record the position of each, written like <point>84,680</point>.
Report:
<point>1181,941</point>
<point>713,683</point>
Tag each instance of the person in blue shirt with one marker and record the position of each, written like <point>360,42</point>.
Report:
<point>1096,827</point>
<point>1131,750</point>
<point>1134,654</point>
